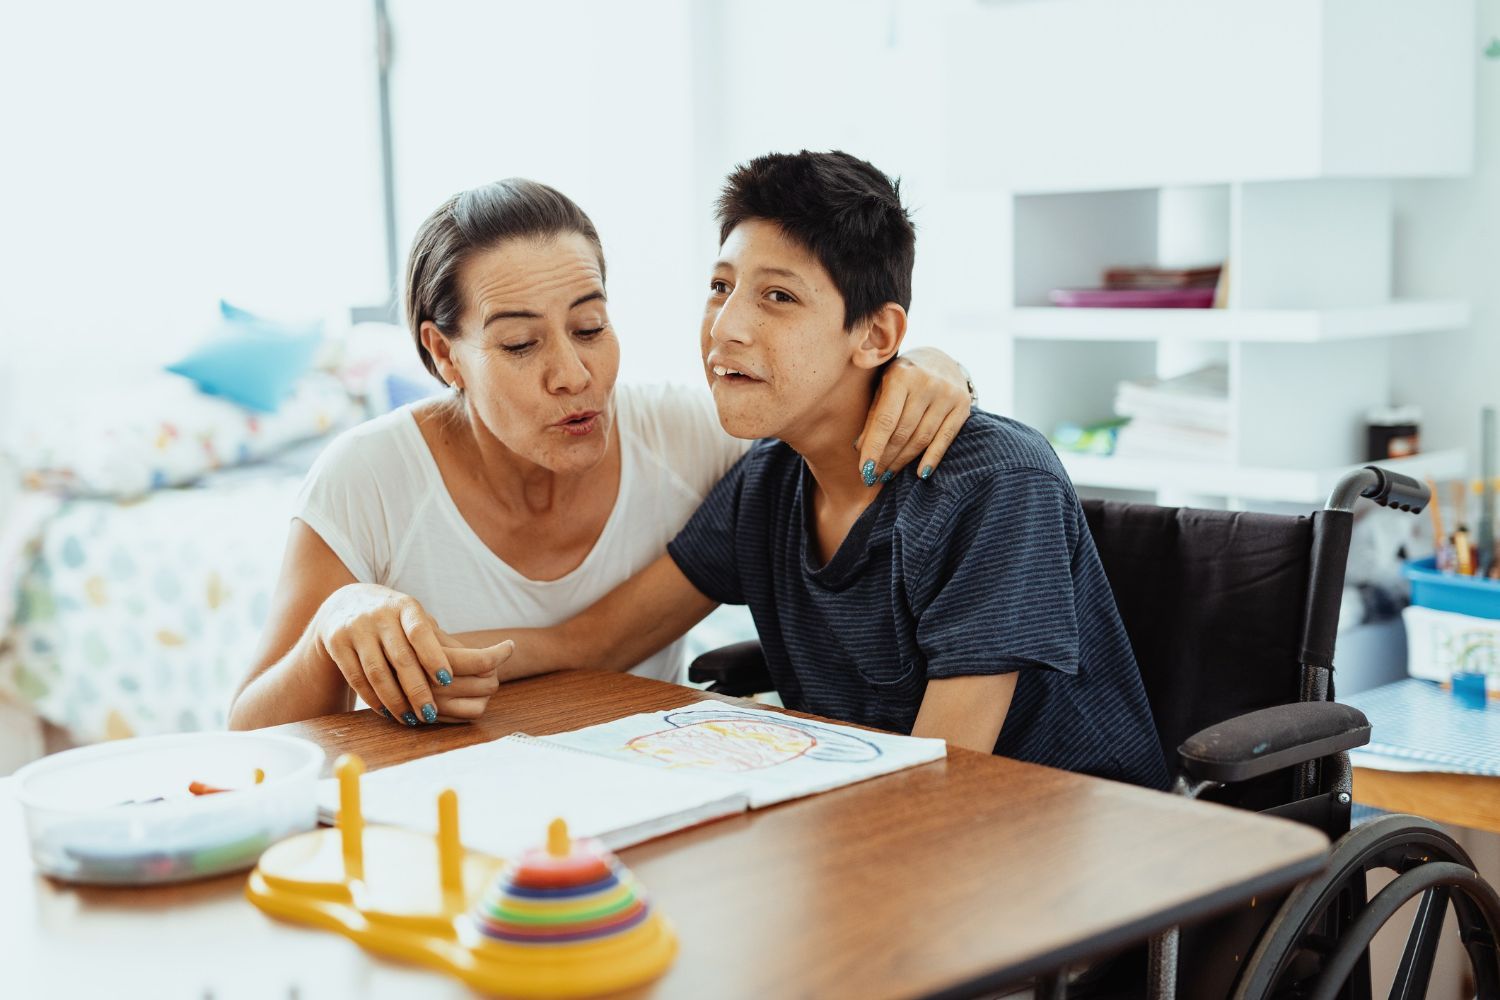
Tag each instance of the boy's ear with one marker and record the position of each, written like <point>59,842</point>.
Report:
<point>879,336</point>
<point>441,348</point>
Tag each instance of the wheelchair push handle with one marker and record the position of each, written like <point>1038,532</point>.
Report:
<point>1399,491</point>
<point>1388,489</point>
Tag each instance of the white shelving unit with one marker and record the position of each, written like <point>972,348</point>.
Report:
<point>1272,326</point>
<point>1288,180</point>
<point>1242,482</point>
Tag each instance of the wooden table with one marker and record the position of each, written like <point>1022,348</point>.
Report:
<point>1471,800</point>
<point>950,878</point>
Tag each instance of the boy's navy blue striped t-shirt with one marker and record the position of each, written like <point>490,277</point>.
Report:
<point>987,567</point>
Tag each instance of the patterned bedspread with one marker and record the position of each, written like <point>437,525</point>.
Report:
<point>141,617</point>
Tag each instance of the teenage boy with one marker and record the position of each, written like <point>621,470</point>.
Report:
<point>968,605</point>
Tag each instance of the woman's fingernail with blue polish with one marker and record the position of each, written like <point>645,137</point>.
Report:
<point>408,718</point>
<point>927,472</point>
<point>888,476</point>
<point>429,713</point>
<point>868,472</point>
<point>386,712</point>
<point>444,678</point>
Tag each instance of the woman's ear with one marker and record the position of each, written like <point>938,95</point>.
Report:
<point>441,348</point>
<point>881,338</point>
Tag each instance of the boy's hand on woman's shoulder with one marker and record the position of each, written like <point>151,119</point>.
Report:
<point>920,405</point>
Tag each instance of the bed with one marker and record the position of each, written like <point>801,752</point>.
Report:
<point>142,522</point>
<point>139,617</point>
<point>133,609</point>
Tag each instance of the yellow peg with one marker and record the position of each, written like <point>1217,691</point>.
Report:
<point>260,776</point>
<point>351,820</point>
<point>558,844</point>
<point>450,852</point>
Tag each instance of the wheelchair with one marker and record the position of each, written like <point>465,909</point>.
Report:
<point>1233,617</point>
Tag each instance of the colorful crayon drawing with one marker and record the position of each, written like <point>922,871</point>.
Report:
<point>733,741</point>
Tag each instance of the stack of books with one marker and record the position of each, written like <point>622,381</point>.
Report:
<point>1162,277</point>
<point>1147,288</point>
<point>1184,418</point>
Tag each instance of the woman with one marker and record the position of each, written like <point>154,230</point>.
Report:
<point>521,497</point>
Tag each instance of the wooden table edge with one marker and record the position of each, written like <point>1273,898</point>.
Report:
<point>1441,796</point>
<point>1139,932</point>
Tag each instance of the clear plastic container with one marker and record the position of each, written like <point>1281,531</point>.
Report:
<point>121,813</point>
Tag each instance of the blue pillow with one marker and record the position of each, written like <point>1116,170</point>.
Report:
<point>252,361</point>
<point>236,316</point>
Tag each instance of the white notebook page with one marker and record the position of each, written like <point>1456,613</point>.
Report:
<point>771,756</point>
<point>510,789</point>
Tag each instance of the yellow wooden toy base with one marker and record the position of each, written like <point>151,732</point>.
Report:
<point>408,895</point>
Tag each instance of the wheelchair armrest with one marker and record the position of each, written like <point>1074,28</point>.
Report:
<point>738,670</point>
<point>1258,743</point>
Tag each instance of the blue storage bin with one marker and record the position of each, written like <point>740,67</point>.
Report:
<point>1465,595</point>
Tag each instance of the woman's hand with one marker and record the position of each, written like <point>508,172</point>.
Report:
<point>920,405</point>
<point>394,656</point>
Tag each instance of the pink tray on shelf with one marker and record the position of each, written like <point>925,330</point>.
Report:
<point>1133,298</point>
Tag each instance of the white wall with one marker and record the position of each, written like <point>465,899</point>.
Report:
<point>638,111</point>
<point>868,78</point>
<point>592,97</point>
<point>1448,244</point>
<point>163,153</point>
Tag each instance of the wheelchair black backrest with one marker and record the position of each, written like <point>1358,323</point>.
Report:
<point>1215,604</point>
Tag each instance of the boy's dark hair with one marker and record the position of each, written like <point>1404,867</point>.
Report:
<point>472,222</point>
<point>844,210</point>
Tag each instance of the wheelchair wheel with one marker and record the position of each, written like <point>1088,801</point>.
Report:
<point>1316,947</point>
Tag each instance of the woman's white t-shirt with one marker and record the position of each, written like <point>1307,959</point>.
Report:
<point>375,496</point>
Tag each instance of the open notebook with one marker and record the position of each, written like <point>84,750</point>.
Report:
<point>633,779</point>
<point>767,756</point>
